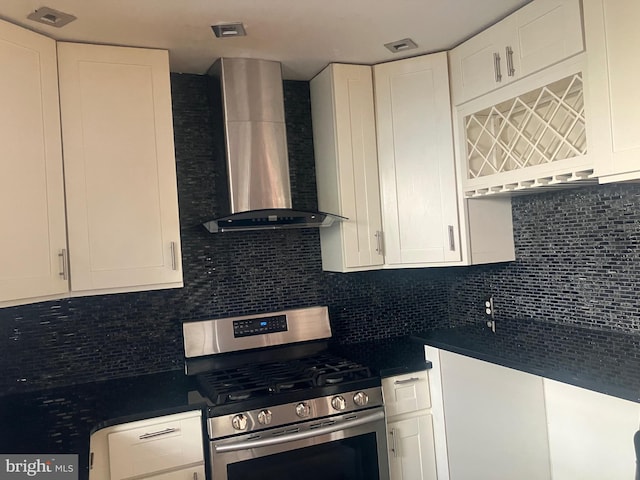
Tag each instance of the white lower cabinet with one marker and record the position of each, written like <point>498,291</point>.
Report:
<point>505,424</point>
<point>495,421</point>
<point>169,447</point>
<point>411,440</point>
<point>590,434</point>
<point>411,453</point>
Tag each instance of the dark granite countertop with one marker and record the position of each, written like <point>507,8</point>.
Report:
<point>603,361</point>
<point>61,420</point>
<point>387,357</point>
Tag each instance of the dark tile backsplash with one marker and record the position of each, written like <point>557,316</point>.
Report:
<point>576,263</point>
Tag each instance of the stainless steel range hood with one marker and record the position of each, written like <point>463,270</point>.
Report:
<point>256,150</point>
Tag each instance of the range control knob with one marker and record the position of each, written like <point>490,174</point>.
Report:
<point>338,403</point>
<point>303,410</point>
<point>361,399</point>
<point>264,417</point>
<point>239,421</point>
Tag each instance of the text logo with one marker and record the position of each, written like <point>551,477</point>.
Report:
<point>43,467</point>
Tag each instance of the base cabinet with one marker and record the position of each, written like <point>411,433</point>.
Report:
<point>411,440</point>
<point>412,449</point>
<point>590,434</point>
<point>169,447</point>
<point>495,421</point>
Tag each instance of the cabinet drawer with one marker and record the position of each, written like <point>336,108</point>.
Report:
<point>406,393</point>
<point>155,445</point>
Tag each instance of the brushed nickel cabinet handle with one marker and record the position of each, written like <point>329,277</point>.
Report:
<point>379,243</point>
<point>174,262</point>
<point>394,448</point>
<point>452,239</point>
<point>166,431</point>
<point>65,262</point>
<point>406,380</point>
<point>195,475</point>
<point>496,67</point>
<point>511,71</point>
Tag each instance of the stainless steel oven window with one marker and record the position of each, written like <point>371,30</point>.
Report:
<point>344,447</point>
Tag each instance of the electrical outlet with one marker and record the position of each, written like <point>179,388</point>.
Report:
<point>488,306</point>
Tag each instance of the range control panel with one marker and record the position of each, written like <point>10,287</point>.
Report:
<point>259,326</point>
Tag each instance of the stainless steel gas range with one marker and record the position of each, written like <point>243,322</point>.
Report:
<point>280,405</point>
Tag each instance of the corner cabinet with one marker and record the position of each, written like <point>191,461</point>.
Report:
<point>344,134</point>
<point>32,212</point>
<point>411,441</point>
<point>385,160</point>
<point>416,162</point>
<point>612,38</point>
<point>120,176</point>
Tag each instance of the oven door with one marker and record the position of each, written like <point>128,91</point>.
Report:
<point>344,447</point>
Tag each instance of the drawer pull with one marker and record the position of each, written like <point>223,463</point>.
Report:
<point>195,475</point>
<point>406,380</point>
<point>394,447</point>
<point>158,433</point>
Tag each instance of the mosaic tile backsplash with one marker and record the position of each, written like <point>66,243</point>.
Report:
<point>576,263</point>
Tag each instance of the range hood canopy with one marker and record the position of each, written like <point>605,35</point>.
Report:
<point>256,150</point>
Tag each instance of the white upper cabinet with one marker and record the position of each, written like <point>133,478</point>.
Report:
<point>344,137</point>
<point>613,38</point>
<point>416,163</point>
<point>32,214</point>
<point>119,168</point>
<point>538,35</point>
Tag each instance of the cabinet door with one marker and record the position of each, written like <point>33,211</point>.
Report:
<point>344,138</point>
<point>590,434</point>
<point>119,167</point>
<point>612,37</point>
<point>415,158</point>
<point>31,184</point>
<point>412,449</point>
<point>547,31</point>
<point>156,445</point>
<point>495,421</point>
<point>478,65</point>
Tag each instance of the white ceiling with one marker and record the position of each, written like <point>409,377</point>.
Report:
<point>305,35</point>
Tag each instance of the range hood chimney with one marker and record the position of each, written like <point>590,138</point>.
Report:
<point>256,150</point>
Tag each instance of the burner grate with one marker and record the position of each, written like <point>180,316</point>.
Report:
<point>268,379</point>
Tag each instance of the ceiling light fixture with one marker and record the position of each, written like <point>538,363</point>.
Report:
<point>228,30</point>
<point>401,45</point>
<point>51,17</point>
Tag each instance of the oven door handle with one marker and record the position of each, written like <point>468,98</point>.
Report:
<point>316,432</point>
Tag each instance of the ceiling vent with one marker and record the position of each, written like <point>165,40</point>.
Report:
<point>401,45</point>
<point>51,17</point>
<point>228,30</point>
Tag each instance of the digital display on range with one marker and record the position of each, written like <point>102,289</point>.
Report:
<point>259,326</point>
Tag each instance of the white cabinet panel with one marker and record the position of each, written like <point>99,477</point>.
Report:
<point>119,167</point>
<point>415,157</point>
<point>406,393</point>
<point>495,421</point>
<point>613,38</point>
<point>540,34</point>
<point>590,434</point>
<point>344,134</point>
<point>412,449</point>
<point>31,184</point>
<point>156,445</point>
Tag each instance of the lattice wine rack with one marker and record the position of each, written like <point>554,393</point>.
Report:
<point>523,142</point>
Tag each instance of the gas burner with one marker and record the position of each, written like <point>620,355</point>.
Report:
<point>333,380</point>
